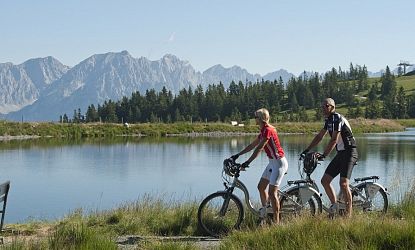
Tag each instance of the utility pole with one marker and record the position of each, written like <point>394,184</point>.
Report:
<point>404,64</point>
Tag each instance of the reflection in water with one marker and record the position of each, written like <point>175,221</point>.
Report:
<point>51,177</point>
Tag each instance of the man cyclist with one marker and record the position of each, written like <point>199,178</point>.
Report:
<point>346,157</point>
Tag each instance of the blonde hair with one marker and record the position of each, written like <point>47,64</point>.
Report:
<point>262,114</point>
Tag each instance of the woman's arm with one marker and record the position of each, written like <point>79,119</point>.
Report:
<point>260,146</point>
<point>249,147</point>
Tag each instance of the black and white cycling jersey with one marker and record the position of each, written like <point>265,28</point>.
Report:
<point>337,122</point>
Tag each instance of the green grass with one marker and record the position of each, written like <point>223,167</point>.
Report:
<point>407,82</point>
<point>321,233</point>
<point>395,230</point>
<point>79,236</point>
<point>150,216</point>
<point>408,123</point>
<point>101,130</point>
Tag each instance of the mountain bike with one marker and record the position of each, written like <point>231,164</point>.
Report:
<point>367,194</point>
<point>222,211</point>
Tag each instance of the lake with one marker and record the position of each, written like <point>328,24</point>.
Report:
<point>51,178</point>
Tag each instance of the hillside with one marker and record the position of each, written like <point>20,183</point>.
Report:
<point>407,82</point>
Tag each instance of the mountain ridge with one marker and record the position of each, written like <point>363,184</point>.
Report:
<point>100,77</point>
<point>22,84</point>
<point>42,89</point>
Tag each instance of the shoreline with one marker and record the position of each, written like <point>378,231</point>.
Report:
<point>18,137</point>
<point>26,131</point>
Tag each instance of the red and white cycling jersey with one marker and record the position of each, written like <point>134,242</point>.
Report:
<point>273,147</point>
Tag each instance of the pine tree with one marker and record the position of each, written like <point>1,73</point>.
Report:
<point>388,88</point>
<point>65,118</point>
<point>411,106</point>
<point>75,118</point>
<point>401,104</point>
<point>91,114</point>
<point>388,93</point>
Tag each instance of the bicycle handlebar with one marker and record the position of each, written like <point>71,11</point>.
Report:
<point>232,168</point>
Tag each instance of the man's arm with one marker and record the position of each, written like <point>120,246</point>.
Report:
<point>317,139</point>
<point>332,143</point>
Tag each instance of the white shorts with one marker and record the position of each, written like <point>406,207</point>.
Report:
<point>275,170</point>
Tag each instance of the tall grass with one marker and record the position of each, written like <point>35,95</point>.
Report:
<point>321,233</point>
<point>405,209</point>
<point>79,236</point>
<point>395,230</point>
<point>98,130</point>
<point>147,216</point>
<point>160,216</point>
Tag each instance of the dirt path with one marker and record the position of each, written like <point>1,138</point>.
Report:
<point>133,241</point>
<point>123,242</point>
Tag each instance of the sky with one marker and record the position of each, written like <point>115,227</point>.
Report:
<point>259,36</point>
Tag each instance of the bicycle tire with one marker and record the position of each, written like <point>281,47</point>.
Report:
<point>378,203</point>
<point>292,206</point>
<point>318,203</point>
<point>210,220</point>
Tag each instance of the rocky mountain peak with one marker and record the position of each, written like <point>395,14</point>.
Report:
<point>43,71</point>
<point>51,89</point>
<point>21,85</point>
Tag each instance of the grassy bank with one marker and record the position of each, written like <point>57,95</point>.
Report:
<point>93,130</point>
<point>151,216</point>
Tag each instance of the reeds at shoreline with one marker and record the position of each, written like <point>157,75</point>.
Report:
<point>156,216</point>
<point>16,130</point>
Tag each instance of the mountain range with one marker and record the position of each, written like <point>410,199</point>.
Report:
<point>43,89</point>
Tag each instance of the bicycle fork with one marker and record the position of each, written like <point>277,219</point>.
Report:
<point>227,197</point>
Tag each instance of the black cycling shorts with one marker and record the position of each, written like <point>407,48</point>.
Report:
<point>342,163</point>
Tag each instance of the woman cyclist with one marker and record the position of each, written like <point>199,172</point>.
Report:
<point>267,140</point>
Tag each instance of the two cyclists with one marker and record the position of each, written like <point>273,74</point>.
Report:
<point>342,139</point>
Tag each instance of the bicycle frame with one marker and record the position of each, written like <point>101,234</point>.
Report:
<point>364,190</point>
<point>372,189</point>
<point>306,193</point>
<point>223,211</point>
<point>306,188</point>
<point>241,186</point>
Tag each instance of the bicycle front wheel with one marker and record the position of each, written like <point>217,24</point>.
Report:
<point>370,197</point>
<point>292,205</point>
<point>220,213</point>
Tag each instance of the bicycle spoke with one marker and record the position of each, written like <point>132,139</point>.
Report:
<point>217,216</point>
<point>293,206</point>
<point>370,198</point>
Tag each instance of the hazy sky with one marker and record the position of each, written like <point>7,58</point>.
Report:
<point>260,36</point>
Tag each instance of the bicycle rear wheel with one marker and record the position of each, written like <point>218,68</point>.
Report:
<point>292,205</point>
<point>220,213</point>
<point>370,197</point>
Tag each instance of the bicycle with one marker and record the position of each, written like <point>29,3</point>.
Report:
<point>367,194</point>
<point>222,211</point>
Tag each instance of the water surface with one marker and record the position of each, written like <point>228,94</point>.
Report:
<point>50,178</point>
